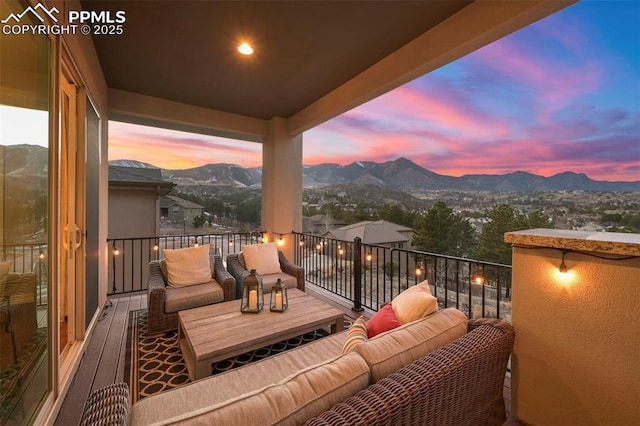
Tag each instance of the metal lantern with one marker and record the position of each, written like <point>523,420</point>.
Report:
<point>279,300</point>
<point>252,296</point>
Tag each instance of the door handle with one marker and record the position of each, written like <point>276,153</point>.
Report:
<point>78,239</point>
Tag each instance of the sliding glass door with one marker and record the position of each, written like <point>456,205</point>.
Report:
<point>25,255</point>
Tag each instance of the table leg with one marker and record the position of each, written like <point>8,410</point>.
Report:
<point>338,326</point>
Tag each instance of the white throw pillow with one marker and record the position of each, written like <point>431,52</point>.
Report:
<point>414,303</point>
<point>188,266</point>
<point>262,257</point>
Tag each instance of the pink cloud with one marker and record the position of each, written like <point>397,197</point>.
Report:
<point>178,150</point>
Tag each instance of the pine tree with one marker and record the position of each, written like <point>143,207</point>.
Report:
<point>442,231</point>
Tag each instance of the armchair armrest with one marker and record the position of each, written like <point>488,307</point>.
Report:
<point>238,272</point>
<point>292,269</point>
<point>224,278</point>
<point>158,320</point>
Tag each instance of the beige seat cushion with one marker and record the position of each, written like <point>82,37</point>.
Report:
<point>391,350</point>
<point>289,387</point>
<point>193,296</point>
<point>269,280</point>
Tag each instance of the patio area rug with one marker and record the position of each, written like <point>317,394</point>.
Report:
<point>155,364</point>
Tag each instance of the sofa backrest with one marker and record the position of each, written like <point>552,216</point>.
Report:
<point>389,351</point>
<point>459,384</point>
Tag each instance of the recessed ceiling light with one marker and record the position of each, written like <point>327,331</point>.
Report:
<point>245,49</point>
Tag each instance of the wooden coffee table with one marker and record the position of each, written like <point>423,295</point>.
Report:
<point>215,332</point>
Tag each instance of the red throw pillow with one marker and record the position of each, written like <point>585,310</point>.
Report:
<point>383,320</point>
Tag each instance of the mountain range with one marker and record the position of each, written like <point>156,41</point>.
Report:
<point>31,161</point>
<point>402,174</point>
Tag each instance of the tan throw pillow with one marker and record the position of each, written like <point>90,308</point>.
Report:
<point>5,268</point>
<point>357,333</point>
<point>262,257</point>
<point>188,266</point>
<point>414,303</point>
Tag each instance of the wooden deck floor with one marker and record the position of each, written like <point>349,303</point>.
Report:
<point>104,359</point>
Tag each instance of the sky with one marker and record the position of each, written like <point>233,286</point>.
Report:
<point>562,94</point>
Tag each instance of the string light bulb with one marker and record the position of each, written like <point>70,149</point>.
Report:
<point>280,240</point>
<point>245,49</point>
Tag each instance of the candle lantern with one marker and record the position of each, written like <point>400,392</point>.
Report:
<point>252,296</point>
<point>279,300</point>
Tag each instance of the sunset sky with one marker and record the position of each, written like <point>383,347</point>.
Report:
<point>560,95</point>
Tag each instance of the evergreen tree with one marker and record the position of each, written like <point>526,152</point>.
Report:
<point>396,214</point>
<point>491,245</point>
<point>442,231</point>
<point>537,219</point>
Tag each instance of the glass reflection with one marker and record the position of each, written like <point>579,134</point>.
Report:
<point>24,168</point>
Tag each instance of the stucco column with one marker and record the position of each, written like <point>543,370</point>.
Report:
<point>575,360</point>
<point>282,184</point>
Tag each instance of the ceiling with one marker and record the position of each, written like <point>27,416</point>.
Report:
<point>177,64</point>
<point>185,51</point>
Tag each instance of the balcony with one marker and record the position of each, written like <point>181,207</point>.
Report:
<point>355,277</point>
<point>563,308</point>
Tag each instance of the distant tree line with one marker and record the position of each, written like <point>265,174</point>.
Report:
<point>241,208</point>
<point>440,230</point>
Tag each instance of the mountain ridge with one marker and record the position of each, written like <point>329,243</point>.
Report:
<point>401,173</point>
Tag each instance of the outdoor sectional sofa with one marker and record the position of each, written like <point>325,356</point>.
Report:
<point>440,370</point>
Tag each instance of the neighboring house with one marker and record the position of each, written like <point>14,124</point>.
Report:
<point>134,199</point>
<point>379,232</point>
<point>319,224</point>
<point>178,210</point>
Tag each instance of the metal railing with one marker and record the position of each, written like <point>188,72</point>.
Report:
<point>129,258</point>
<point>367,275</point>
<point>372,275</point>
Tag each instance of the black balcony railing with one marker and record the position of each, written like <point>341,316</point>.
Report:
<point>367,275</point>
<point>129,258</point>
<point>371,275</point>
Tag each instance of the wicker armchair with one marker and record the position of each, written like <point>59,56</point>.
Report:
<point>292,274</point>
<point>160,317</point>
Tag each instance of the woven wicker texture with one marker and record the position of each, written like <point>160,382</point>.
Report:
<point>107,406</point>
<point>160,321</point>
<point>238,271</point>
<point>459,384</point>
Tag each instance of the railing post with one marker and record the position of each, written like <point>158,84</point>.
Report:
<point>357,271</point>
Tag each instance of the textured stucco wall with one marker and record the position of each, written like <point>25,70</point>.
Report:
<point>576,358</point>
<point>132,214</point>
